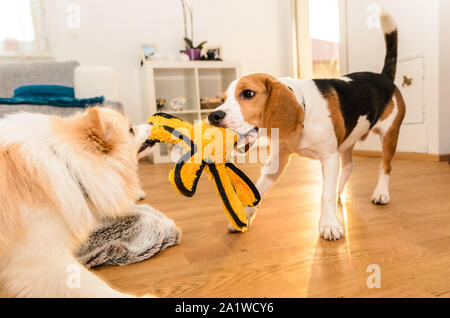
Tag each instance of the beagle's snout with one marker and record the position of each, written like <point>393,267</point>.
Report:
<point>216,117</point>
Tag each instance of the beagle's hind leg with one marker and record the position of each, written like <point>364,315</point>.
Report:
<point>389,130</point>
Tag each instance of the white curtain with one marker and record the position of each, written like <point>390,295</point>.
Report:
<point>22,27</point>
<point>39,23</point>
<point>302,46</point>
<point>15,20</point>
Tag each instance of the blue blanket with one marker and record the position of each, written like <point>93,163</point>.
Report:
<point>44,90</point>
<point>64,101</point>
<point>52,95</point>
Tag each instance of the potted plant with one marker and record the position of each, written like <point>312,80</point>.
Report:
<point>194,52</point>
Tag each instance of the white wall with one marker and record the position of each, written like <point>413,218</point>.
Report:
<point>418,23</point>
<point>255,32</point>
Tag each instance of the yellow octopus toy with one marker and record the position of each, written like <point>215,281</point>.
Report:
<point>206,148</point>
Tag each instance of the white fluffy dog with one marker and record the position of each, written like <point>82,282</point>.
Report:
<point>58,176</point>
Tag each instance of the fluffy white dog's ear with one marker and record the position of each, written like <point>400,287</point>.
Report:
<point>98,133</point>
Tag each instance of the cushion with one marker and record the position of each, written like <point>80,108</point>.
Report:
<point>44,90</point>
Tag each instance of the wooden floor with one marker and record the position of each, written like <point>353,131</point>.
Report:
<point>282,255</point>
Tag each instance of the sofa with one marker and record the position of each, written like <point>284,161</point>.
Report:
<point>88,81</point>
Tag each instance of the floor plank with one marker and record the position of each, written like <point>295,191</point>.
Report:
<point>282,255</point>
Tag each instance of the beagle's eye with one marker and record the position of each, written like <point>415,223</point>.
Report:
<point>247,94</point>
<point>131,131</point>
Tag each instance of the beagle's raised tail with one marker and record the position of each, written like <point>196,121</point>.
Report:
<point>389,28</point>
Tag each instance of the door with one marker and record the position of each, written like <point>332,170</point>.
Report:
<point>366,51</point>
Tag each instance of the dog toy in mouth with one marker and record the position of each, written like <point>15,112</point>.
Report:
<point>206,148</point>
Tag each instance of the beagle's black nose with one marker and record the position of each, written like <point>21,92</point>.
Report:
<point>216,117</point>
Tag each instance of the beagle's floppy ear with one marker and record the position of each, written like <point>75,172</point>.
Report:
<point>282,110</point>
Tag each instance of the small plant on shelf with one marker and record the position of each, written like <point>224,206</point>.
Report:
<point>194,52</point>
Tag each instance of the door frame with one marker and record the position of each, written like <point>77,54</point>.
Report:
<point>301,66</point>
<point>343,43</point>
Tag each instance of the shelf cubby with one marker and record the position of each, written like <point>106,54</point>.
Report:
<point>191,80</point>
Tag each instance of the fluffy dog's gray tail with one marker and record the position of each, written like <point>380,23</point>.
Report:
<point>389,28</point>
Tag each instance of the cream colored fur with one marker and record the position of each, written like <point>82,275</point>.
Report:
<point>90,163</point>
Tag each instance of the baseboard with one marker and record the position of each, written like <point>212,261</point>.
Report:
<point>405,155</point>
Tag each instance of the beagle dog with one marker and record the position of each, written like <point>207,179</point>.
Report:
<point>320,119</point>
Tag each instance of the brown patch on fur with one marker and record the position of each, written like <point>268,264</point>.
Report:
<point>224,96</point>
<point>387,110</point>
<point>88,130</point>
<point>273,106</point>
<point>21,185</point>
<point>391,138</point>
<point>334,106</point>
<point>103,136</point>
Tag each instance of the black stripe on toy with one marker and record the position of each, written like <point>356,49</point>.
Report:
<point>215,173</point>
<point>184,159</point>
<point>182,137</point>
<point>179,182</point>
<point>247,180</point>
<point>165,115</point>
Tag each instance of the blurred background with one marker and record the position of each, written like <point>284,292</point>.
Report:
<point>297,38</point>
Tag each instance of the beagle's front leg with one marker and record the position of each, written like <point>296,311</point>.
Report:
<point>273,168</point>
<point>329,226</point>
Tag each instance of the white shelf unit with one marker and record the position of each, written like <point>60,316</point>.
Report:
<point>189,79</point>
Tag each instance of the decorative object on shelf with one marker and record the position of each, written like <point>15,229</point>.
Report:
<point>234,188</point>
<point>160,104</point>
<point>177,103</point>
<point>147,52</point>
<point>194,52</point>
<point>158,56</point>
<point>213,53</point>
<point>211,102</point>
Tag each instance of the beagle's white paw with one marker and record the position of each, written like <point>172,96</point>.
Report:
<point>330,229</point>
<point>381,196</point>
<point>231,229</point>
<point>251,215</point>
<point>381,193</point>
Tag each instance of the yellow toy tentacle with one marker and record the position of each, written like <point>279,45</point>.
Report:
<point>245,189</point>
<point>185,176</point>
<point>232,203</point>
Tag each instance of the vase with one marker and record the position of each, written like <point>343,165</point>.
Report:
<point>194,54</point>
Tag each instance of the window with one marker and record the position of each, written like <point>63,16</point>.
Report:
<point>17,32</point>
<point>324,33</point>
<point>316,38</point>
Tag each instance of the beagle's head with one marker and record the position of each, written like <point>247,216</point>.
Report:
<point>258,101</point>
